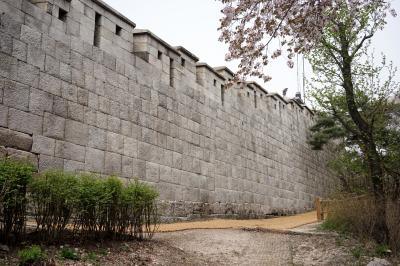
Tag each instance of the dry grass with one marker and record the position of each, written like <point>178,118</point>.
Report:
<point>393,224</point>
<point>366,218</point>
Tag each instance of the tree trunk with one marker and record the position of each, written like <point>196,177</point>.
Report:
<point>371,155</point>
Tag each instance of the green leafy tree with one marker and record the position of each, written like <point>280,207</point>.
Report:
<point>355,96</point>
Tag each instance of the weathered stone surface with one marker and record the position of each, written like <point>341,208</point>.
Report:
<point>40,101</point>
<point>28,74</point>
<point>127,167</point>
<point>113,163</point>
<point>14,139</point>
<point>3,152</point>
<point>76,132</point>
<point>35,57</point>
<point>53,126</point>
<point>16,95</point>
<point>50,163</point>
<point>23,156</point>
<point>43,145</point>
<point>3,116</point>
<point>30,36</point>
<point>152,172</point>
<point>115,143</point>
<point>130,147</point>
<point>24,122</point>
<point>73,166</point>
<point>19,50</point>
<point>50,84</point>
<point>70,151</point>
<point>94,161</point>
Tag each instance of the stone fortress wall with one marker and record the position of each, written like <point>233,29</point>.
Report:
<point>82,90</point>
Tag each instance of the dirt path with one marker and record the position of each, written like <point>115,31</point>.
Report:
<point>244,247</point>
<point>279,223</point>
<point>292,240</point>
<point>232,247</point>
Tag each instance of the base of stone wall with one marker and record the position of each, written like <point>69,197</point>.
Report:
<point>173,211</point>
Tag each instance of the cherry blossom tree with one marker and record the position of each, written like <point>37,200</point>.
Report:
<point>252,28</point>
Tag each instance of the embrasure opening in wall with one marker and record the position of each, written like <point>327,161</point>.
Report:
<point>62,15</point>
<point>159,55</point>
<point>97,25</point>
<point>118,30</point>
<point>171,72</point>
<point>222,94</point>
<point>183,62</point>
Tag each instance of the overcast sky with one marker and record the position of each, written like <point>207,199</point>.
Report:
<point>193,24</point>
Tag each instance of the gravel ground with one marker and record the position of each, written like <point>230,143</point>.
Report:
<point>244,247</point>
<point>233,247</point>
<point>213,247</point>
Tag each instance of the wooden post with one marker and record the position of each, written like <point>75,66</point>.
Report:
<point>318,208</point>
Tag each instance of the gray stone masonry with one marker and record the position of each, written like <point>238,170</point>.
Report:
<point>79,95</point>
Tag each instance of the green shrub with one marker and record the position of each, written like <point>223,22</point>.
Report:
<point>139,201</point>
<point>87,207</point>
<point>109,205</point>
<point>69,254</point>
<point>105,207</point>
<point>382,250</point>
<point>92,257</point>
<point>14,178</point>
<point>357,252</point>
<point>32,255</point>
<point>95,207</point>
<point>53,196</point>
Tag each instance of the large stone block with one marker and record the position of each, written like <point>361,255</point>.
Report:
<point>65,72</point>
<point>113,163</point>
<point>169,176</point>
<point>63,53</point>
<point>114,124</point>
<point>52,66</point>
<point>14,139</point>
<point>35,57</point>
<point>152,172</point>
<point>50,163</point>
<point>40,101</point>
<point>94,161</point>
<point>127,167</point>
<point>19,50</point>
<point>25,122</point>
<point>76,132</point>
<point>115,143</point>
<point>9,25</point>
<point>3,116</point>
<point>28,74</point>
<point>16,95</point>
<point>70,151</point>
<point>15,154</point>
<point>97,138</point>
<point>130,147</point>
<point>76,111</point>
<point>43,145</point>
<point>50,84</point>
<point>53,126</point>
<point>73,166</point>
<point>31,36</point>
<point>139,169</point>
<point>8,66</point>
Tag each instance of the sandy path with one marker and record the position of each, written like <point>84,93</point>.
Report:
<point>279,223</point>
